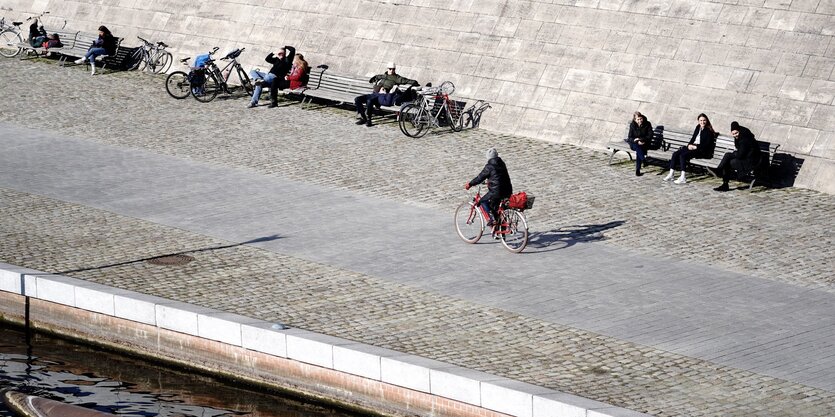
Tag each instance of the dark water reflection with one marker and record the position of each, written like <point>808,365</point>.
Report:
<point>81,375</point>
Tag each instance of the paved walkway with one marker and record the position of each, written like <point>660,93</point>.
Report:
<point>694,303</point>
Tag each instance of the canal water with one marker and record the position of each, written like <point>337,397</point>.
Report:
<point>61,370</point>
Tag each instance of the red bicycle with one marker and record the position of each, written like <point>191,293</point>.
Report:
<point>511,227</point>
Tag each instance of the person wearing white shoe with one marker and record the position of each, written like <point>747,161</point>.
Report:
<point>701,146</point>
<point>105,44</point>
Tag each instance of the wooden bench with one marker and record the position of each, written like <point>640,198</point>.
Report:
<point>341,89</point>
<point>673,140</point>
<point>67,39</point>
<point>82,44</point>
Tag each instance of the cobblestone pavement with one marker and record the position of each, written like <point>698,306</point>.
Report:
<point>789,237</point>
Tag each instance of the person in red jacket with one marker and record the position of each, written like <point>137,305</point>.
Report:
<point>299,73</point>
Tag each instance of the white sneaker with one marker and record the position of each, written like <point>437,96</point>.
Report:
<point>681,180</point>
<point>92,70</point>
<point>668,177</point>
<point>79,61</point>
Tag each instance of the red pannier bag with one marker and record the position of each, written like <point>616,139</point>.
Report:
<point>518,201</point>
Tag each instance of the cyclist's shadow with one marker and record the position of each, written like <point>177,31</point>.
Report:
<point>567,236</point>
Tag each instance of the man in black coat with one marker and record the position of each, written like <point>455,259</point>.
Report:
<point>498,185</point>
<point>282,61</point>
<point>744,159</point>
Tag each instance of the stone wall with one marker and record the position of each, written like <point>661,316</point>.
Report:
<point>568,71</point>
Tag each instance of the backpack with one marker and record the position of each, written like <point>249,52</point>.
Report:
<point>657,138</point>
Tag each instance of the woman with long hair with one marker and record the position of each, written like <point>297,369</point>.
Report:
<point>299,73</point>
<point>105,44</point>
<point>701,146</point>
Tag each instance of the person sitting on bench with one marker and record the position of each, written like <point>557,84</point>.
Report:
<point>276,79</point>
<point>105,44</point>
<point>382,94</point>
<point>745,158</point>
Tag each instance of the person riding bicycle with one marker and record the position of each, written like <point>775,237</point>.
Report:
<point>498,184</point>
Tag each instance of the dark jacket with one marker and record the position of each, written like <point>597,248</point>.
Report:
<point>108,42</point>
<point>707,143</point>
<point>747,149</point>
<point>281,66</point>
<point>643,132</point>
<point>495,172</point>
<point>387,81</point>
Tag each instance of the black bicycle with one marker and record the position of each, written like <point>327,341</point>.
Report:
<point>216,79</point>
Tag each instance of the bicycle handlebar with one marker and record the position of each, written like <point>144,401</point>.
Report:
<point>36,17</point>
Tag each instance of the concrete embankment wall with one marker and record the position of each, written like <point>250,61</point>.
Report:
<point>315,365</point>
<point>568,71</point>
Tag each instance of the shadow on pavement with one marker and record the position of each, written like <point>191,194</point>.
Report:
<point>567,236</point>
<point>187,252</point>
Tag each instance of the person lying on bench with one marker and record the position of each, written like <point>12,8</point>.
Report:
<point>105,44</point>
<point>744,159</point>
<point>382,94</point>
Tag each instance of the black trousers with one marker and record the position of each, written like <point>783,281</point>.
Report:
<point>277,85</point>
<point>365,104</point>
<point>730,164</point>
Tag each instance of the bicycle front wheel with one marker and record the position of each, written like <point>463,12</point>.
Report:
<point>246,83</point>
<point>514,231</point>
<point>414,120</point>
<point>136,59</point>
<point>469,223</point>
<point>9,41</point>
<point>177,85</point>
<point>208,91</point>
<point>162,63</point>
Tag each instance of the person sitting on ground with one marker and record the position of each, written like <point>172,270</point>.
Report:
<point>105,44</point>
<point>282,61</point>
<point>37,34</point>
<point>299,74</point>
<point>498,184</point>
<point>701,146</point>
<point>744,159</point>
<point>382,94</point>
<point>639,138</point>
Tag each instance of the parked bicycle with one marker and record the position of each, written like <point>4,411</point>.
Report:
<point>216,79</point>
<point>511,226</point>
<point>178,83</point>
<point>472,116</point>
<point>205,80</point>
<point>151,56</point>
<point>11,38</point>
<point>432,108</point>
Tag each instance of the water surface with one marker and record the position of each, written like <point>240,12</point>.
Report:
<point>77,374</point>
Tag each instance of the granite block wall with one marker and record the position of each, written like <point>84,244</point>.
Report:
<point>568,71</point>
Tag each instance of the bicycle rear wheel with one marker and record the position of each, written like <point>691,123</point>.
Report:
<point>177,85</point>
<point>469,223</point>
<point>208,91</point>
<point>8,43</point>
<point>414,120</point>
<point>246,83</point>
<point>454,115</point>
<point>514,231</point>
<point>162,63</point>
